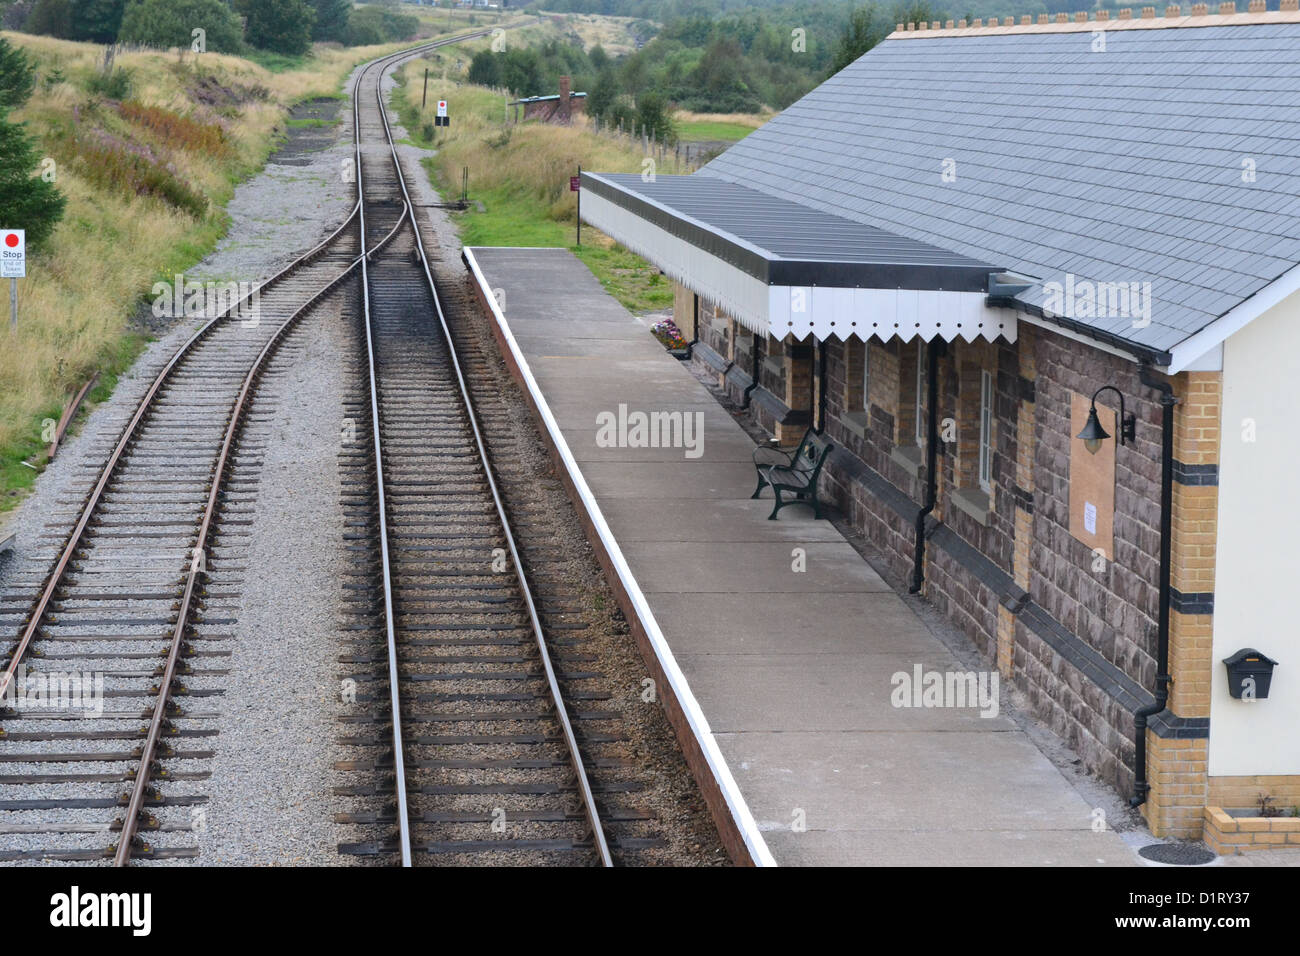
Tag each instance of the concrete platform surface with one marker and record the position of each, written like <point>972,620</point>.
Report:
<point>789,640</point>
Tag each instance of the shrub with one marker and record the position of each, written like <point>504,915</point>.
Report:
<point>50,18</point>
<point>652,115</point>
<point>109,162</point>
<point>25,203</point>
<point>521,71</point>
<point>281,26</point>
<point>16,79</point>
<point>97,20</point>
<point>178,131</point>
<point>331,20</point>
<point>115,84</point>
<point>485,69</point>
<point>170,23</point>
<point>370,25</point>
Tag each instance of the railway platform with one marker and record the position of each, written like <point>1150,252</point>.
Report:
<point>789,675</point>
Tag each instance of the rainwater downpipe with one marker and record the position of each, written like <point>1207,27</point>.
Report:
<point>753,374</point>
<point>931,462</point>
<point>819,383</point>
<point>695,325</point>
<point>1141,787</point>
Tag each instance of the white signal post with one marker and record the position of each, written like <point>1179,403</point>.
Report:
<point>13,266</point>
<point>442,114</point>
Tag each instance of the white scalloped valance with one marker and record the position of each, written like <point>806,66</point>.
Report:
<point>822,311</point>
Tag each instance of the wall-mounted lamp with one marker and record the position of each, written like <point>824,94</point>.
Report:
<point>1093,434</point>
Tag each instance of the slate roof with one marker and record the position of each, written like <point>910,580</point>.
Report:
<point>785,243</point>
<point>1123,165</point>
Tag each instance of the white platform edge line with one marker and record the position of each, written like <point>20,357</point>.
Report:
<point>758,849</point>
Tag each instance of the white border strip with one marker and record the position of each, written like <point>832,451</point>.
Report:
<point>699,724</point>
<point>1189,350</point>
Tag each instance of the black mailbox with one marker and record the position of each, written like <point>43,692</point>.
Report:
<point>1249,674</point>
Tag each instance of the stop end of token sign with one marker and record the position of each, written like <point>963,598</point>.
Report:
<point>13,254</point>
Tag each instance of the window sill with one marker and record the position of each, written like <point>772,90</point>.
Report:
<point>855,423</point>
<point>974,502</point>
<point>910,459</point>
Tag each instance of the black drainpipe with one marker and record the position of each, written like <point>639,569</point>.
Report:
<point>1167,402</point>
<point>695,324</point>
<point>753,366</point>
<point>820,386</point>
<point>931,462</point>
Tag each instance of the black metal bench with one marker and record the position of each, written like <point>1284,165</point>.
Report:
<point>796,472</point>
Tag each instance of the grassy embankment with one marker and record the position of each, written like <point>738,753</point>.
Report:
<point>147,177</point>
<point>520,173</point>
<point>722,127</point>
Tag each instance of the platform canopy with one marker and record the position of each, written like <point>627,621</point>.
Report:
<point>783,268</point>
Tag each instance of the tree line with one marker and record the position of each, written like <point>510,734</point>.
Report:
<point>733,63</point>
<point>277,26</point>
<point>26,200</point>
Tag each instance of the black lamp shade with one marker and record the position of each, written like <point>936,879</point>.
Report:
<point>1093,434</point>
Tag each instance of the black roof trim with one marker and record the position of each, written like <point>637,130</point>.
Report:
<point>1140,353</point>
<point>899,263</point>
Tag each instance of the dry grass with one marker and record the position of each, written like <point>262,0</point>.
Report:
<point>197,123</point>
<point>613,34</point>
<point>752,120</point>
<point>520,174</point>
<point>531,161</point>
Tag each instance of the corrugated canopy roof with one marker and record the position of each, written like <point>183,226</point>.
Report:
<point>782,242</point>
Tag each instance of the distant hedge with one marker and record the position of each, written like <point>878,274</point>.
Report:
<point>371,25</point>
<point>171,23</point>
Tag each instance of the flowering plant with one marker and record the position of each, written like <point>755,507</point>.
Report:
<point>666,331</point>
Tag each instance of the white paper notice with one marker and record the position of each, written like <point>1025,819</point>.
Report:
<point>1090,517</point>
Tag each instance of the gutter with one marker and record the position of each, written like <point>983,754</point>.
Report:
<point>1141,787</point>
<point>936,347</point>
<point>1142,354</point>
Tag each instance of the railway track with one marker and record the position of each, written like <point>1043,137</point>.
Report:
<point>484,729</point>
<point>481,727</point>
<point>124,607</point>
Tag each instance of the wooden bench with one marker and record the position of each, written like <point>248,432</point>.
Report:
<point>795,472</point>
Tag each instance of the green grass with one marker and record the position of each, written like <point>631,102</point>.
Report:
<point>311,122</point>
<point>700,130</point>
<point>517,217</point>
<point>514,218</point>
<point>628,278</point>
<point>275,62</point>
<point>16,478</point>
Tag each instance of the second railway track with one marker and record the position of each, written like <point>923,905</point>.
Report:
<point>472,752</point>
<point>484,728</point>
<point>124,595</point>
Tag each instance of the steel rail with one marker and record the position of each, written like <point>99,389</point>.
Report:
<point>149,749</point>
<point>140,788</point>
<point>90,507</point>
<point>395,702</point>
<point>55,578</point>
<point>575,756</point>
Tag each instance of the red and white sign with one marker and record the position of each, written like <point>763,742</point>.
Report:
<point>575,184</point>
<point>13,254</point>
<point>442,107</point>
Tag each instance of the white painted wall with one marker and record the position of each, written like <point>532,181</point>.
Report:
<point>1257,576</point>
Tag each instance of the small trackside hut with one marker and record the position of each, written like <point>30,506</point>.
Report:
<point>1039,283</point>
